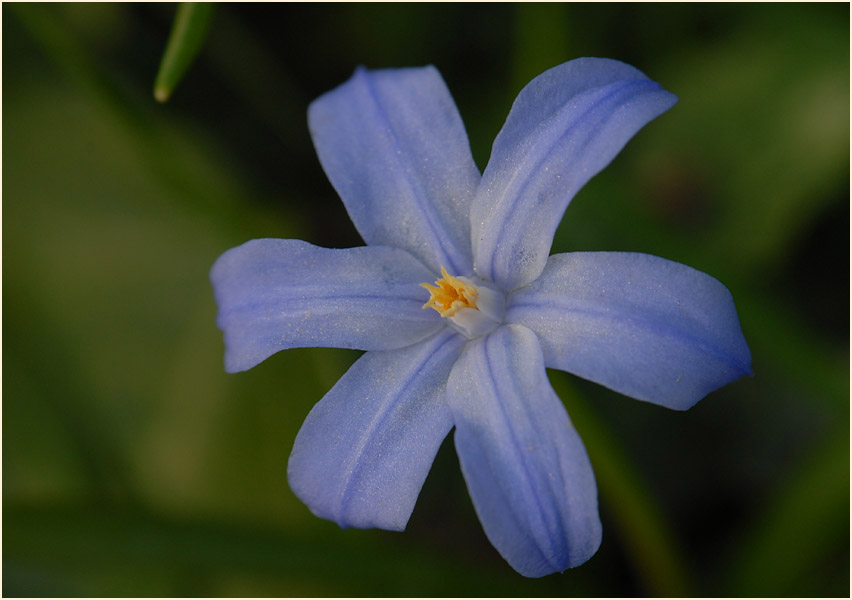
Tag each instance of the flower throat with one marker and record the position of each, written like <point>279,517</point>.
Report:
<point>473,310</point>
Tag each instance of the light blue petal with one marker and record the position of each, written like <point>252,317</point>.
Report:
<point>365,449</point>
<point>564,127</point>
<point>641,325</point>
<point>395,149</point>
<point>526,468</point>
<point>277,294</point>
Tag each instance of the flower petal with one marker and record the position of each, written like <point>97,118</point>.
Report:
<point>365,449</point>
<point>277,294</point>
<point>641,325</point>
<point>395,149</point>
<point>564,127</point>
<point>526,468</point>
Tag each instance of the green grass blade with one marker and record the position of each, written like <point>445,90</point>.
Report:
<point>641,525</point>
<point>188,34</point>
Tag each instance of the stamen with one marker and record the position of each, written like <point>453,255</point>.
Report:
<point>450,294</point>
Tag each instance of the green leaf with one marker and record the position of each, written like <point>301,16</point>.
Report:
<point>188,34</point>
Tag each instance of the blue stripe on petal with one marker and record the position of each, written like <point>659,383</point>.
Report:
<point>365,449</point>
<point>644,326</point>
<point>526,468</point>
<point>277,294</point>
<point>395,149</point>
<point>564,127</point>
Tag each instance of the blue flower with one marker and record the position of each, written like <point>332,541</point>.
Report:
<point>460,308</point>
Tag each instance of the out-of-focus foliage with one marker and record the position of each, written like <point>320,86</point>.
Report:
<point>132,465</point>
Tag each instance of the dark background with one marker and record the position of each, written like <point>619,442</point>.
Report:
<point>133,465</point>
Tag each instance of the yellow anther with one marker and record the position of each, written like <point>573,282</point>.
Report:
<point>449,294</point>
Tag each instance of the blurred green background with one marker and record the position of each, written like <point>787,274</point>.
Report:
<point>134,466</point>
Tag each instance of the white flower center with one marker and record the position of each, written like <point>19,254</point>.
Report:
<point>473,310</point>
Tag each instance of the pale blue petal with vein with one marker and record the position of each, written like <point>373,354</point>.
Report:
<point>526,468</point>
<point>277,294</point>
<point>395,149</point>
<point>644,326</point>
<point>365,449</point>
<point>564,127</point>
